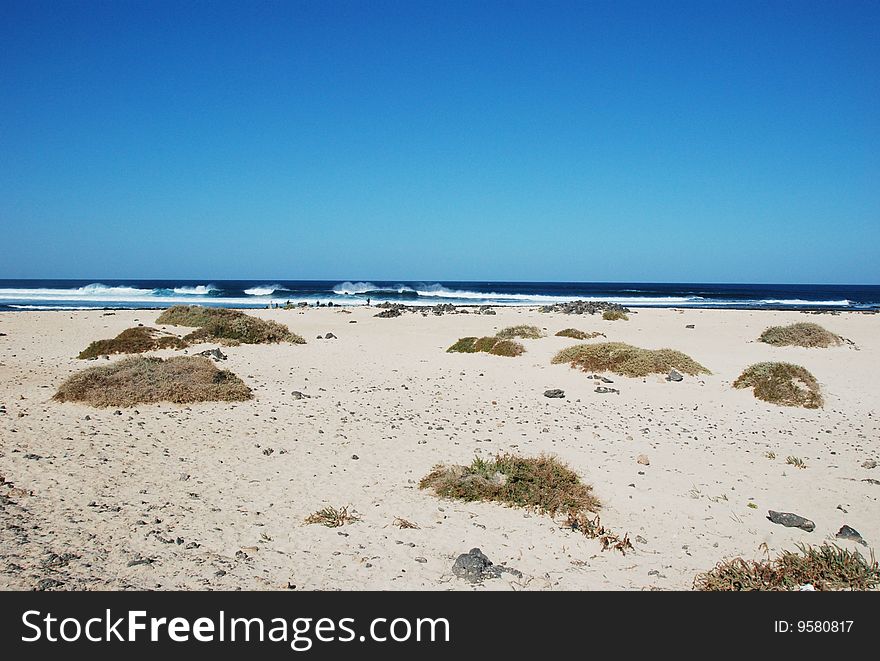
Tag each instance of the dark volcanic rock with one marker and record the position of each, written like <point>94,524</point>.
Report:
<point>474,566</point>
<point>583,307</point>
<point>790,520</point>
<point>216,354</point>
<point>330,336</point>
<point>674,376</point>
<point>387,314</point>
<point>846,532</point>
<point>554,393</point>
<point>602,390</point>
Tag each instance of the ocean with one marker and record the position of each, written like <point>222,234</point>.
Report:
<point>84,294</point>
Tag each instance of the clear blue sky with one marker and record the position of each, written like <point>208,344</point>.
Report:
<point>589,141</point>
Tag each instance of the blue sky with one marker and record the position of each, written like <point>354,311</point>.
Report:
<point>582,141</point>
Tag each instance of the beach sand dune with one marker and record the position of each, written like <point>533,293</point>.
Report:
<point>214,495</point>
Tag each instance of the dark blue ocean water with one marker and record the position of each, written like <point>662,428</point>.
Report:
<point>68,294</point>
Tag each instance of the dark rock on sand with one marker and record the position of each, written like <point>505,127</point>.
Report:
<point>602,390</point>
<point>674,376</point>
<point>583,307</point>
<point>689,326</point>
<point>474,566</point>
<point>330,336</point>
<point>387,314</point>
<point>296,394</point>
<point>847,532</point>
<point>790,520</point>
<point>216,354</point>
<point>554,393</point>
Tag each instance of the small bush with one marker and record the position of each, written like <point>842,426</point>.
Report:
<point>782,383</point>
<point>826,567</point>
<point>494,345</point>
<point>525,332</point>
<point>543,484</point>
<point>226,326</point>
<point>332,517</point>
<point>463,345</point>
<point>614,315</point>
<point>578,334</point>
<point>133,340</point>
<point>627,360</point>
<point>802,334</point>
<point>147,380</point>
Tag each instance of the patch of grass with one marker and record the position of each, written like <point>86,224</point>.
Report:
<point>494,345</point>
<point>332,517</point>
<point>146,380</point>
<point>544,484</point>
<point>614,315</point>
<point>627,360</point>
<point>781,383</point>
<point>797,462</point>
<point>133,340</point>
<point>525,332</point>
<point>578,334</point>
<point>826,567</point>
<point>226,326</point>
<point>803,334</point>
<point>463,345</point>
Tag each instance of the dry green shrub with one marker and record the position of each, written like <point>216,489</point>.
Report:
<point>782,383</point>
<point>803,334</point>
<point>627,360</point>
<point>592,528</point>
<point>133,340</point>
<point>226,326</point>
<point>544,484</point>
<point>826,567</point>
<point>494,345</point>
<point>146,380</point>
<point>614,315</point>
<point>578,334</point>
<point>525,332</point>
<point>332,517</point>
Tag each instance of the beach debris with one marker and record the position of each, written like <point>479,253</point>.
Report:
<point>643,460</point>
<point>674,376</point>
<point>870,463</point>
<point>215,354</point>
<point>603,390</point>
<point>296,394</point>
<point>689,326</point>
<point>405,524</point>
<point>554,393</point>
<point>330,336</point>
<point>790,520</point>
<point>847,532</point>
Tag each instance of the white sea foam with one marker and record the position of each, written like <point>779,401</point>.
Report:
<point>262,290</point>
<point>199,290</point>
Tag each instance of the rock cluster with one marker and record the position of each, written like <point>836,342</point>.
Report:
<point>583,307</point>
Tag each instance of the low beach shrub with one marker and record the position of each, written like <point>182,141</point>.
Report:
<point>627,360</point>
<point>494,345</point>
<point>578,334</point>
<point>782,383</point>
<point>226,326</point>
<point>803,334</point>
<point>544,484</point>
<point>332,517</point>
<point>133,340</point>
<point>614,315</point>
<point>525,332</point>
<point>146,380</point>
<point>826,567</point>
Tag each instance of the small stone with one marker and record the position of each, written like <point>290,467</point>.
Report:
<point>643,460</point>
<point>674,376</point>
<point>554,393</point>
<point>846,532</point>
<point>790,520</point>
<point>355,457</point>
<point>330,336</point>
<point>870,463</point>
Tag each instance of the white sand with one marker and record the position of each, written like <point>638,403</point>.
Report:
<point>113,489</point>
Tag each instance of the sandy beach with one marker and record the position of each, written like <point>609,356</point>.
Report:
<point>214,495</point>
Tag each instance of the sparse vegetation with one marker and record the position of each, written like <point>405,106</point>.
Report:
<point>627,360</point>
<point>782,383</point>
<point>614,315</point>
<point>332,517</point>
<point>525,332</point>
<point>133,340</point>
<point>578,334</point>
<point>494,345</point>
<point>147,379</point>
<point>592,528</point>
<point>797,462</point>
<point>544,484</point>
<point>404,524</point>
<point>226,326</point>
<point>803,334</point>
<point>770,455</point>
<point>826,567</point>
